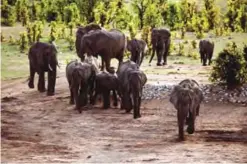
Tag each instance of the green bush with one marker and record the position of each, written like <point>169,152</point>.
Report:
<point>23,42</point>
<point>194,44</point>
<point>181,49</point>
<point>230,68</point>
<point>71,41</point>
<point>12,40</point>
<point>2,38</point>
<point>8,14</point>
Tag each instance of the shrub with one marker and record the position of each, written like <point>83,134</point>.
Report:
<point>2,38</point>
<point>194,44</point>
<point>8,14</point>
<point>181,49</point>
<point>132,31</point>
<point>71,41</point>
<point>229,68</point>
<point>11,40</point>
<point>23,42</point>
<point>53,33</point>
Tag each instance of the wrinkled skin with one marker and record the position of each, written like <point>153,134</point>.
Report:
<point>132,81</point>
<point>186,98</point>
<point>81,31</point>
<point>107,44</point>
<point>43,58</point>
<point>206,49</point>
<point>160,40</point>
<point>104,84</point>
<point>138,49</point>
<point>81,78</point>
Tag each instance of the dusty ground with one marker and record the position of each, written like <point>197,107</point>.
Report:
<point>37,128</point>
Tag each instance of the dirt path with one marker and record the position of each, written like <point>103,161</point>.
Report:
<point>37,128</point>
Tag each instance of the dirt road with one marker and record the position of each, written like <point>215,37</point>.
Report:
<point>37,128</point>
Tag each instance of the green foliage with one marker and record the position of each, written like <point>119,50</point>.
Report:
<point>24,15</point>
<point>230,68</point>
<point>211,13</point>
<point>152,16</point>
<point>245,53</point>
<point>194,44</point>
<point>71,40</point>
<point>2,38</point>
<point>23,42</point>
<point>173,17</point>
<point>71,13</point>
<point>140,7</point>
<point>146,35</point>
<point>132,31</point>
<point>187,11</point>
<point>181,49</point>
<point>29,28</point>
<point>54,31</point>
<point>12,40</point>
<point>71,25</point>
<point>8,14</point>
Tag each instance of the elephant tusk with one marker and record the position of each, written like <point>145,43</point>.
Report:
<point>50,67</point>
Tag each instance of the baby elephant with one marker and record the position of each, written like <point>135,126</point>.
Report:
<point>81,78</point>
<point>186,98</point>
<point>105,83</point>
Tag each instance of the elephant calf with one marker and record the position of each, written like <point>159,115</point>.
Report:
<point>138,49</point>
<point>105,83</point>
<point>43,58</point>
<point>206,49</point>
<point>81,78</point>
<point>186,98</point>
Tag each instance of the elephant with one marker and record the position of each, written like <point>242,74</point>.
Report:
<point>93,61</point>
<point>206,49</point>
<point>160,40</point>
<point>138,49</point>
<point>132,81</point>
<point>81,31</point>
<point>81,77</point>
<point>43,58</point>
<point>107,44</point>
<point>186,98</point>
<point>105,83</point>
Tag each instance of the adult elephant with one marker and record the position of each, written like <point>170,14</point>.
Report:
<point>81,31</point>
<point>43,58</point>
<point>160,40</point>
<point>186,98</point>
<point>132,81</point>
<point>81,78</point>
<point>105,83</point>
<point>107,44</point>
<point>206,49</point>
<point>138,49</point>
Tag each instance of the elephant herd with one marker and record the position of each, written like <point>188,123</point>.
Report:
<point>87,79</point>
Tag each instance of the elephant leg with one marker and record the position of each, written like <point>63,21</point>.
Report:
<point>41,83</point>
<point>103,64</point>
<point>142,57</point>
<point>76,97</point>
<point>204,58</point>
<point>166,53</point>
<point>115,103</point>
<point>210,58</point>
<point>31,77</point>
<point>51,82</point>
<point>107,64</point>
<point>72,100</point>
<point>191,123</point>
<point>159,57</point>
<point>181,118</point>
<point>106,98</point>
<point>197,110</point>
<point>137,107</point>
<point>94,97</point>
<point>152,56</point>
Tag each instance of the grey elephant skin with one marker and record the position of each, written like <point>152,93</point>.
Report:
<point>81,31</point>
<point>160,40</point>
<point>81,78</point>
<point>132,81</point>
<point>107,44</point>
<point>105,83</point>
<point>206,49</point>
<point>138,49</point>
<point>186,98</point>
<point>43,58</point>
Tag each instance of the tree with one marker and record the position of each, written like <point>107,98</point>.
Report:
<point>173,17</point>
<point>212,13</point>
<point>23,42</point>
<point>71,13</point>
<point>86,9</point>
<point>140,7</point>
<point>8,14</point>
<point>152,16</point>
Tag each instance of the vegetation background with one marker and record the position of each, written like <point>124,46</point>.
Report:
<point>27,21</point>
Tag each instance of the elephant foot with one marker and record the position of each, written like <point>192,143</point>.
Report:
<point>181,138</point>
<point>50,93</point>
<point>42,90</point>
<point>158,64</point>
<point>30,85</point>
<point>190,130</point>
<point>127,110</point>
<point>71,102</point>
<point>137,116</point>
<point>164,63</point>
<point>115,104</point>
